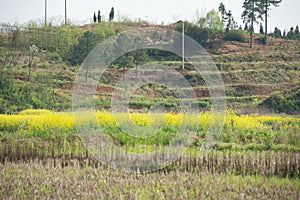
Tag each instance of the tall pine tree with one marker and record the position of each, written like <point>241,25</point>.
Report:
<point>266,4</point>
<point>222,11</point>
<point>251,13</point>
<point>227,18</point>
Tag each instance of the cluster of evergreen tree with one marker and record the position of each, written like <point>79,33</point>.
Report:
<point>255,10</point>
<point>292,34</point>
<point>227,18</point>
<point>97,18</point>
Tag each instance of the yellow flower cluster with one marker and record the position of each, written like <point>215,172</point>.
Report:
<point>39,120</point>
<point>36,121</point>
<point>244,122</point>
<point>281,123</point>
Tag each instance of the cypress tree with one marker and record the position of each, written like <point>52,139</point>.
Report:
<point>99,16</point>
<point>95,19</point>
<point>261,29</point>
<point>111,14</point>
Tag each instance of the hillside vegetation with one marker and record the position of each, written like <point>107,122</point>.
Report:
<point>203,155</point>
<point>39,66</point>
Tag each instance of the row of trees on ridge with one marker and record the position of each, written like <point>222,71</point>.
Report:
<point>98,17</point>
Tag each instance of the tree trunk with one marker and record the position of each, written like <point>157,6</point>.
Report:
<point>29,72</point>
<point>266,23</point>
<point>266,18</point>
<point>251,33</point>
<point>30,62</point>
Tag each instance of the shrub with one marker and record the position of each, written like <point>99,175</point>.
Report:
<point>262,40</point>
<point>235,35</point>
<point>34,112</point>
<point>199,34</point>
<point>86,43</point>
<point>200,104</point>
<point>283,102</point>
<point>275,101</point>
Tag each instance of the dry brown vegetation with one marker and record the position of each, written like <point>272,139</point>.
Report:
<point>35,181</point>
<point>263,163</point>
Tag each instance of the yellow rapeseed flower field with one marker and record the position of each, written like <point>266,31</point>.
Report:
<point>39,120</point>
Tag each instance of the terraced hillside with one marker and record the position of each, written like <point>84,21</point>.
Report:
<point>250,76</point>
<point>45,79</point>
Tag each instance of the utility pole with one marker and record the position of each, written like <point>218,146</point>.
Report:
<point>182,44</point>
<point>65,12</point>
<point>45,12</point>
<point>180,21</point>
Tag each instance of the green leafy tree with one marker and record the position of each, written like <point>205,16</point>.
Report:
<point>200,34</point>
<point>213,23</point>
<point>251,13</point>
<point>266,4</point>
<point>84,45</point>
<point>111,14</point>
<point>99,16</point>
<point>235,35</point>
<point>122,44</point>
<point>202,22</point>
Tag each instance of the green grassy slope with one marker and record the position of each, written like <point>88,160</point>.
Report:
<point>250,75</point>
